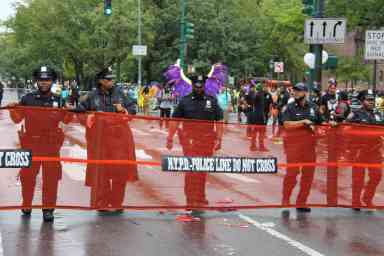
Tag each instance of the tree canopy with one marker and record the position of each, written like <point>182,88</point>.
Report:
<point>78,40</point>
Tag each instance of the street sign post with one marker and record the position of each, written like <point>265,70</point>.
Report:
<point>139,50</point>
<point>279,67</point>
<point>374,45</point>
<point>374,50</point>
<point>325,31</point>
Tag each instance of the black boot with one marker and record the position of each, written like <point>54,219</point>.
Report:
<point>48,216</point>
<point>26,212</point>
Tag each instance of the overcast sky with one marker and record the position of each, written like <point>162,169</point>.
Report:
<point>6,8</point>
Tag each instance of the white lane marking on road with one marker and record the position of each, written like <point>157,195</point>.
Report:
<point>75,171</point>
<point>140,154</point>
<point>138,132</point>
<point>242,178</point>
<point>307,250</point>
<point>1,245</point>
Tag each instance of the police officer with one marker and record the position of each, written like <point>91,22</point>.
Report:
<point>367,150</point>
<point>197,138</point>
<point>108,138</point>
<point>1,92</point>
<point>41,134</point>
<point>299,119</point>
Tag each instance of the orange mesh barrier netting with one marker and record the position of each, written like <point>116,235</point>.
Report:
<point>100,160</point>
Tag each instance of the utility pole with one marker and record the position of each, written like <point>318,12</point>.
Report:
<point>139,79</point>
<point>183,38</point>
<point>374,82</point>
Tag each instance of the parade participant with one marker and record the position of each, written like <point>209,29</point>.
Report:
<point>108,138</point>
<point>166,102</point>
<point>197,139</point>
<point>41,134</point>
<point>274,106</point>
<point>367,150</point>
<point>256,118</point>
<point>300,144</point>
<point>224,100</point>
<point>329,100</point>
<point>343,108</point>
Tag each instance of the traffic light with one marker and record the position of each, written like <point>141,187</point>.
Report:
<point>309,7</point>
<point>107,7</point>
<point>189,30</point>
<point>331,62</point>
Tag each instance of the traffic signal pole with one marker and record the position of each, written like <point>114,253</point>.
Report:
<point>183,38</point>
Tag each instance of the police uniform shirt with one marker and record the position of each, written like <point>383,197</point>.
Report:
<point>36,121</point>
<point>295,112</point>
<point>36,99</point>
<point>365,117</point>
<point>100,101</point>
<point>199,108</point>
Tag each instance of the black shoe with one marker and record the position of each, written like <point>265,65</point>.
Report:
<point>197,212</point>
<point>303,209</point>
<point>356,209</point>
<point>26,212</point>
<point>48,216</point>
<point>263,149</point>
<point>119,211</point>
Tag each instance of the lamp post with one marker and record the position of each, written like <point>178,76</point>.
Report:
<point>139,79</point>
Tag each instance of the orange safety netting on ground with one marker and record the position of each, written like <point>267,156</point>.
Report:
<point>102,160</point>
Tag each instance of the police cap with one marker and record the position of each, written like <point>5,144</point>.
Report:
<point>197,80</point>
<point>300,87</point>
<point>332,82</point>
<point>106,73</point>
<point>44,73</point>
<point>366,95</point>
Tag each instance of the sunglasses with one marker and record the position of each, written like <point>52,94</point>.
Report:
<point>108,79</point>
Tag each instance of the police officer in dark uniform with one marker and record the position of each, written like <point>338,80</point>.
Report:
<point>1,92</point>
<point>197,138</point>
<point>42,135</point>
<point>299,119</point>
<point>367,150</point>
<point>108,137</point>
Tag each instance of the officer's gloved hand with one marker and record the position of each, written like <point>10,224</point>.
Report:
<point>90,120</point>
<point>121,109</point>
<point>333,123</point>
<point>12,105</point>
<point>69,106</point>
<point>169,143</point>
<point>218,145</point>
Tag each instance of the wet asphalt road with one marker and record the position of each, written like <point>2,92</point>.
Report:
<point>272,232</point>
<point>260,232</point>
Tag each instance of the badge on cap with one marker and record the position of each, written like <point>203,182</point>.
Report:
<point>44,69</point>
<point>208,104</point>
